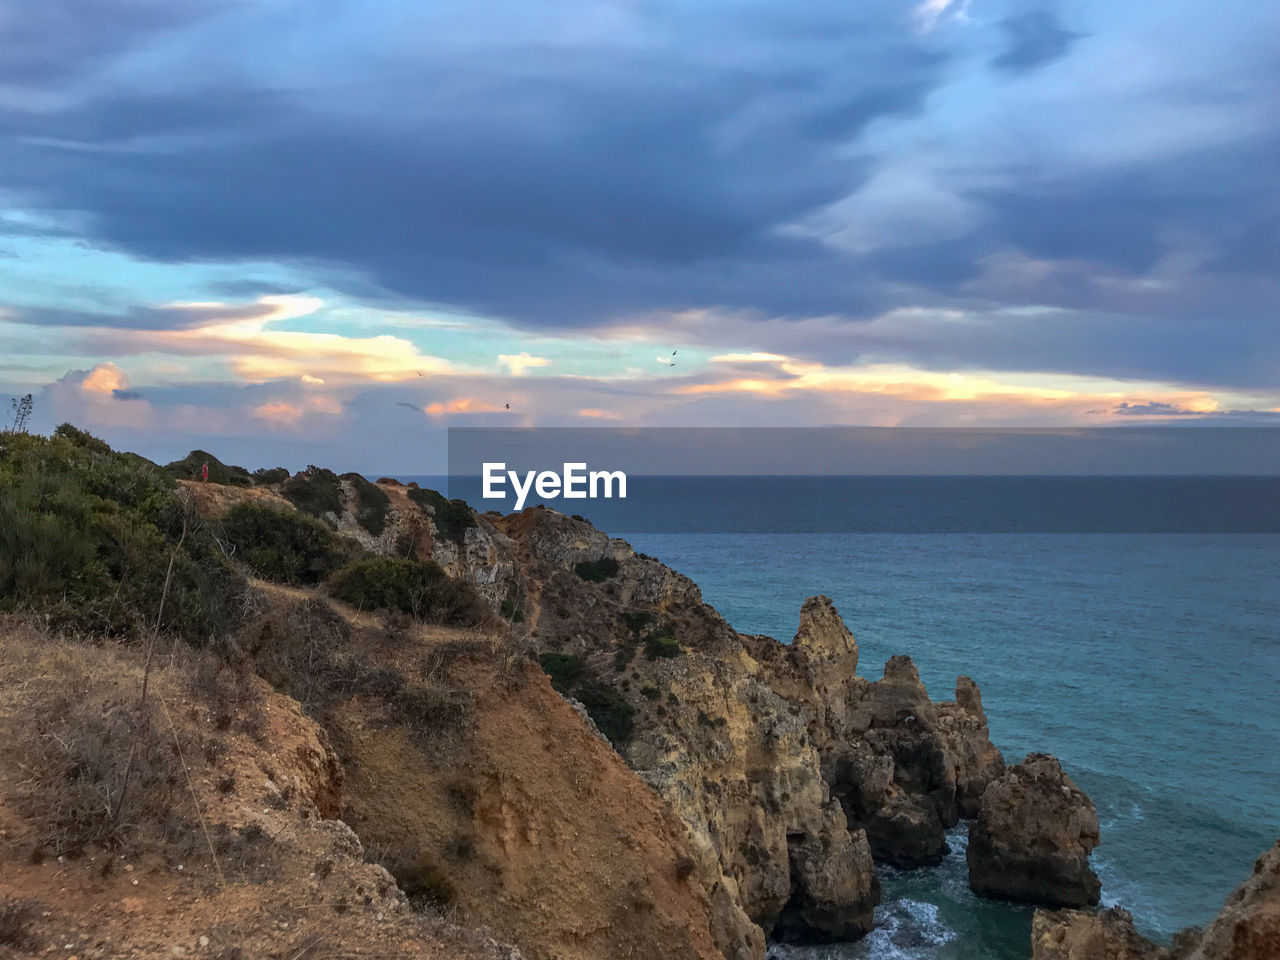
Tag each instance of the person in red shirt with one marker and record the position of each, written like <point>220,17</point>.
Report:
<point>204,473</point>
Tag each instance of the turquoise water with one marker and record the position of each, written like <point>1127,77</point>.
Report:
<point>1150,664</point>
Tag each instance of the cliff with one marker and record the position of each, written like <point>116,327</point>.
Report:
<point>531,726</point>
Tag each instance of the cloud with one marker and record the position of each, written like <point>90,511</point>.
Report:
<point>282,413</point>
<point>459,405</point>
<point>1034,39</point>
<point>813,172</point>
<point>929,12</point>
<point>756,357</point>
<point>248,339</point>
<point>105,378</point>
<point>1159,408</point>
<point>522,362</point>
<point>595,413</point>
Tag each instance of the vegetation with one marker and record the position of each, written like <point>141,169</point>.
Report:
<point>452,517</point>
<point>564,669</point>
<point>419,588</point>
<point>270,475</point>
<point>662,644</point>
<point>16,917</point>
<point>606,707</point>
<point>94,539</point>
<point>372,503</point>
<point>191,467</point>
<point>20,409</point>
<point>316,491</point>
<point>597,571</point>
<point>611,713</point>
<point>283,545</point>
<point>96,772</point>
<point>637,620</point>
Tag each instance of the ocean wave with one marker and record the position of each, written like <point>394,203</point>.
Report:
<point>906,929</point>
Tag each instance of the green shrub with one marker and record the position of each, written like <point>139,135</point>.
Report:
<point>606,707</point>
<point>637,620</point>
<point>452,517</point>
<point>315,490</point>
<point>597,571</point>
<point>86,537</point>
<point>661,645</point>
<point>372,503</point>
<point>416,587</point>
<point>191,466</point>
<point>564,669</point>
<point>270,475</point>
<point>284,545</point>
<point>611,713</point>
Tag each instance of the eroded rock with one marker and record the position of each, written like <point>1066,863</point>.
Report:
<point>1033,836</point>
<point>1085,935</point>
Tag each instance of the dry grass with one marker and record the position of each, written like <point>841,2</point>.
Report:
<point>16,917</point>
<point>93,764</point>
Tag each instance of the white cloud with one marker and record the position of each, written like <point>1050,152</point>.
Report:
<point>518,363</point>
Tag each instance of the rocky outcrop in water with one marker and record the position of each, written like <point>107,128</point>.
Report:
<point>1248,928</point>
<point>903,767</point>
<point>1033,836</point>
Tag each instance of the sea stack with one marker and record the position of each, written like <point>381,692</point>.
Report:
<point>1033,836</point>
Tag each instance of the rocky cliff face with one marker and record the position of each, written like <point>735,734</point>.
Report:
<point>1033,836</point>
<point>791,770</point>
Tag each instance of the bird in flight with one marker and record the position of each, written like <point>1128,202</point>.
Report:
<point>667,360</point>
<point>508,406</point>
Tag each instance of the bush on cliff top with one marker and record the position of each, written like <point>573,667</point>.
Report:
<point>270,475</point>
<point>372,503</point>
<point>191,466</point>
<point>452,517</point>
<point>284,545</point>
<point>316,491</point>
<point>86,537</point>
<point>419,588</point>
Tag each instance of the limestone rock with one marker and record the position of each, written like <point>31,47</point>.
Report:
<point>1248,928</point>
<point>1033,836</point>
<point>1085,935</point>
<point>833,886</point>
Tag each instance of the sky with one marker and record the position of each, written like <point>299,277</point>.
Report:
<point>327,231</point>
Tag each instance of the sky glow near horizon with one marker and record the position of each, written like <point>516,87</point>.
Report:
<point>326,234</point>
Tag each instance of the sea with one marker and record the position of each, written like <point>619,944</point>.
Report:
<point>1148,662</point>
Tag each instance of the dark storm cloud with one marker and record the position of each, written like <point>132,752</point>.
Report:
<point>663,168</point>
<point>545,190</point>
<point>141,318</point>
<point>57,39</point>
<point>1033,39</point>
